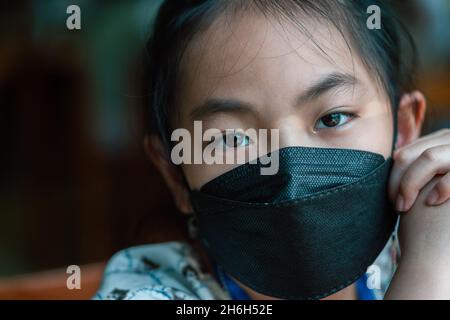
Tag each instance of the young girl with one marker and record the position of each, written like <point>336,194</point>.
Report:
<point>349,157</point>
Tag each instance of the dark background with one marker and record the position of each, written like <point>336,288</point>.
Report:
<point>75,185</point>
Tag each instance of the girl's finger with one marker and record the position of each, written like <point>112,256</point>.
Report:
<point>416,147</point>
<point>441,191</point>
<point>431,162</point>
<point>430,140</point>
<point>403,157</point>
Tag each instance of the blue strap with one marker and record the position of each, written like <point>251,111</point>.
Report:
<point>237,293</point>
<point>363,292</point>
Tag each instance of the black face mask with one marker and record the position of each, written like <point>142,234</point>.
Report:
<point>306,232</point>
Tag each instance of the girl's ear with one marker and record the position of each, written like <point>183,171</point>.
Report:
<point>172,174</point>
<point>410,116</point>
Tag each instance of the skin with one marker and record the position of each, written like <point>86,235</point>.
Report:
<point>266,67</point>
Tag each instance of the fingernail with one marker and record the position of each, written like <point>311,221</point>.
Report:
<point>400,203</point>
<point>433,197</point>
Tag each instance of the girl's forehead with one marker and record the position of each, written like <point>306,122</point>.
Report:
<point>230,44</point>
<point>251,52</point>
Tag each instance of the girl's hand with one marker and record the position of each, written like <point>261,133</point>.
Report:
<point>420,184</point>
<point>423,271</point>
<point>415,165</point>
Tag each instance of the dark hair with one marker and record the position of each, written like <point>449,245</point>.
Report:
<point>389,52</point>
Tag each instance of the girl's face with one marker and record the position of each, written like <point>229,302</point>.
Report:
<point>255,72</point>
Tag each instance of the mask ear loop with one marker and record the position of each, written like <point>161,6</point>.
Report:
<point>395,247</point>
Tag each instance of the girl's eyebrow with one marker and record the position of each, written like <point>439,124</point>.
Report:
<point>212,106</point>
<point>332,81</point>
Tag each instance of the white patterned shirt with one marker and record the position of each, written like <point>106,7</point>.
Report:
<point>171,271</point>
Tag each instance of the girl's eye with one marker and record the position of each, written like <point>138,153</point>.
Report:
<point>335,119</point>
<point>235,140</point>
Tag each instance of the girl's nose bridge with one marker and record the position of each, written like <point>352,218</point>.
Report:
<point>292,131</point>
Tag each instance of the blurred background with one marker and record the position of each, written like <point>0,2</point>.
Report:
<point>75,185</point>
